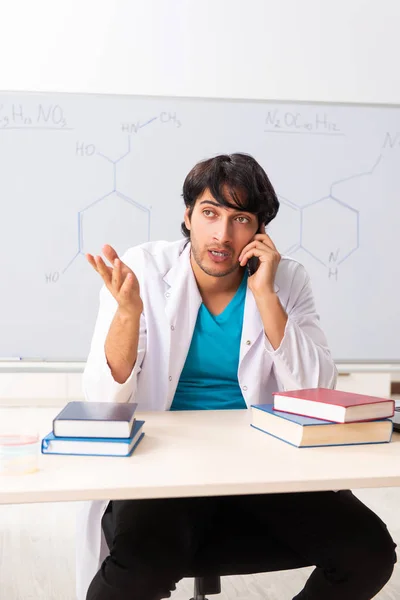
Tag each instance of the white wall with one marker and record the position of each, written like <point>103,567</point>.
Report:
<point>328,50</point>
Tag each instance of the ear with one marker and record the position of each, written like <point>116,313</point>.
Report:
<point>262,228</point>
<point>186,218</point>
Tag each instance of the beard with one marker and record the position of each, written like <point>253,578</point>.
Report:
<point>210,270</point>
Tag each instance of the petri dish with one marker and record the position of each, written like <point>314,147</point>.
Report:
<point>18,454</point>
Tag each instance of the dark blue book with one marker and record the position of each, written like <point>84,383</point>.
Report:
<point>304,432</point>
<point>93,446</point>
<point>95,420</point>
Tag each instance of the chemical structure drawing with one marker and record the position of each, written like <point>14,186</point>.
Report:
<point>326,229</point>
<point>124,217</point>
<point>337,236</point>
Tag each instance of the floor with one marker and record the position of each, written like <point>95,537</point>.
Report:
<point>37,554</point>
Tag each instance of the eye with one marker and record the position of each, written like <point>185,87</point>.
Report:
<point>243,219</point>
<point>208,212</point>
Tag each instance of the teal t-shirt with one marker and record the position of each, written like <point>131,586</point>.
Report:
<point>209,378</point>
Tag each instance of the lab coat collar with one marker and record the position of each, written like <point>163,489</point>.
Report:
<point>182,284</point>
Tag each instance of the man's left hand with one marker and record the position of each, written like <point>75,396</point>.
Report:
<point>262,282</point>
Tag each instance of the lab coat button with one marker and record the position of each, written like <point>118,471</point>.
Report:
<point>172,328</point>
<point>244,388</point>
<point>248,343</point>
<point>170,378</point>
<point>167,295</point>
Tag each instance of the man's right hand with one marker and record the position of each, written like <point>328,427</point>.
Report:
<point>120,281</point>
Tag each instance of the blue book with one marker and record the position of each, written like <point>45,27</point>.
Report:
<point>95,420</point>
<point>305,432</point>
<point>93,446</point>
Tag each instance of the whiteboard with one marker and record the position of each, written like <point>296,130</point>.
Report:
<point>78,171</point>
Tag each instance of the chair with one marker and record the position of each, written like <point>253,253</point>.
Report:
<point>206,586</point>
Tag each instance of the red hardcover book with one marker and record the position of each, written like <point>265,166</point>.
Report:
<point>334,405</point>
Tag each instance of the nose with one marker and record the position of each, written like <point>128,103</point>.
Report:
<point>223,231</point>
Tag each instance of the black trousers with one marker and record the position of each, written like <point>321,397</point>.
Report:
<point>155,543</point>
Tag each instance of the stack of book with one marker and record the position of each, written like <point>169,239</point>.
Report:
<point>95,429</point>
<point>324,417</point>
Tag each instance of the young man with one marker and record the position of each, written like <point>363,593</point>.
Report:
<point>182,326</point>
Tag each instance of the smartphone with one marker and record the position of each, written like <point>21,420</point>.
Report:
<point>254,261</point>
<point>252,265</point>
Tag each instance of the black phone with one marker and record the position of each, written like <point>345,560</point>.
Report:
<point>252,265</point>
<point>254,261</point>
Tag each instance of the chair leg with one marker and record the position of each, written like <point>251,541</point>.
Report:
<point>206,585</point>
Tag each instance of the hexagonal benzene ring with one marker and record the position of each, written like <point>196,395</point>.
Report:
<point>116,220</point>
<point>285,228</point>
<point>330,231</point>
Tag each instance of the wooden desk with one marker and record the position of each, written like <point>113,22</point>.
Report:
<point>202,453</point>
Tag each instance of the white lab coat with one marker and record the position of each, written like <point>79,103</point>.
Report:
<point>171,302</point>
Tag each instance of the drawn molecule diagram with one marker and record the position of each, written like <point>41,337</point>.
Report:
<point>115,215</point>
<point>332,242</point>
<point>327,229</point>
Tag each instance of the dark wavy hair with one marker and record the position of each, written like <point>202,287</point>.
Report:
<point>234,180</point>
